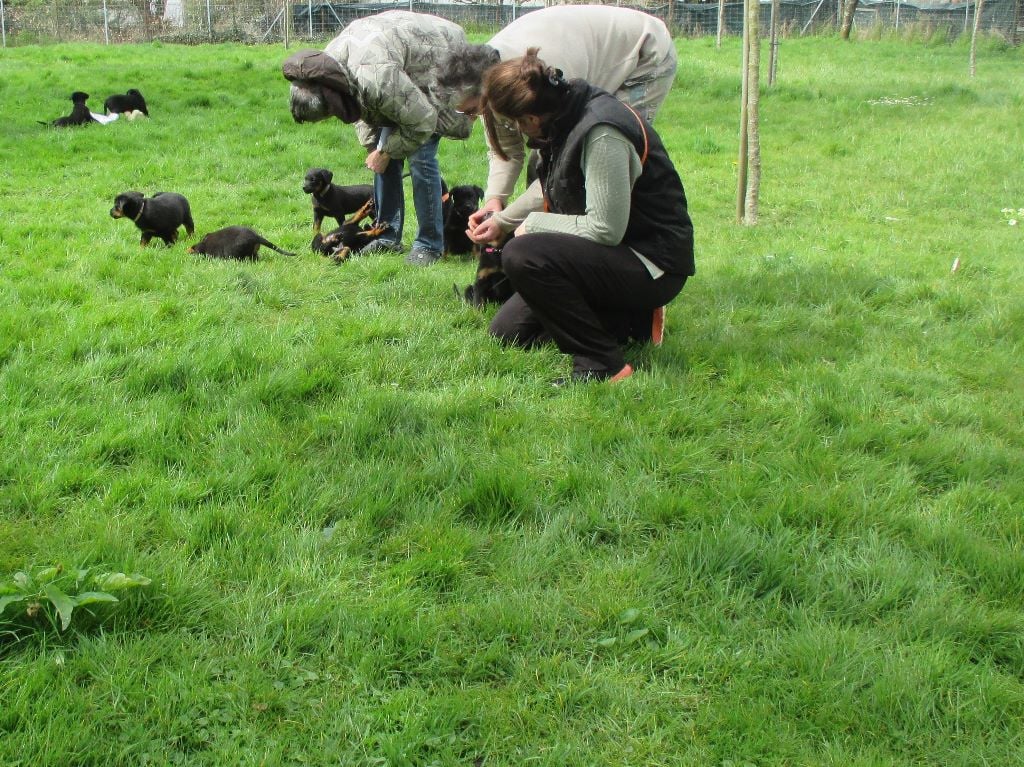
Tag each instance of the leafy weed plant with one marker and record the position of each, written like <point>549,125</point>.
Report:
<point>52,594</point>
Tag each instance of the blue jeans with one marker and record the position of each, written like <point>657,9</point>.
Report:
<point>389,196</point>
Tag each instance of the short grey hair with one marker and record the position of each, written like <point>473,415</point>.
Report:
<point>307,103</point>
<point>464,68</point>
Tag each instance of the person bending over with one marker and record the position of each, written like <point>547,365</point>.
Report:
<point>381,73</point>
<point>626,52</point>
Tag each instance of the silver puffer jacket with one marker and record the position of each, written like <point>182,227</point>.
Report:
<point>392,61</point>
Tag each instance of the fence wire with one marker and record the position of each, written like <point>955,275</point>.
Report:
<point>253,21</point>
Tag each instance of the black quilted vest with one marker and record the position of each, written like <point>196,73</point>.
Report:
<point>659,225</point>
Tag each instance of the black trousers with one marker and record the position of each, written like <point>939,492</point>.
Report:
<point>587,298</point>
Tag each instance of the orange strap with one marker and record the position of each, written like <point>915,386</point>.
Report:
<point>643,129</point>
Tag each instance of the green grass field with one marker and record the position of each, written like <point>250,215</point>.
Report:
<point>375,537</point>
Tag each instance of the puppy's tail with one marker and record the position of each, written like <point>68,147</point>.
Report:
<point>274,247</point>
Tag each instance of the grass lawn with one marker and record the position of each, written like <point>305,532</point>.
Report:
<point>375,537</point>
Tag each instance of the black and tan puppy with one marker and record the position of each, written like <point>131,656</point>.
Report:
<point>131,101</point>
<point>352,235</point>
<point>491,284</point>
<point>463,201</point>
<point>331,200</point>
<point>156,216</point>
<point>238,242</point>
<point>80,114</point>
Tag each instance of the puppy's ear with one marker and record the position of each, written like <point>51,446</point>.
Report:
<point>479,192</point>
<point>328,176</point>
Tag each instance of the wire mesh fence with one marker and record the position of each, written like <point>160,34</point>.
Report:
<point>193,21</point>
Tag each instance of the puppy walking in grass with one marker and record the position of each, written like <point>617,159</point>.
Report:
<point>332,200</point>
<point>156,216</point>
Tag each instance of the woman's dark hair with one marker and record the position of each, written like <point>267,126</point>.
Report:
<point>517,87</point>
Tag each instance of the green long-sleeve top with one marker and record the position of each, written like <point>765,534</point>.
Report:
<point>610,166</point>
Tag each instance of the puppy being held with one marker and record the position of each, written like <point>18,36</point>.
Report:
<point>332,200</point>
<point>156,216</point>
<point>80,113</point>
<point>238,242</point>
<point>462,202</point>
<point>119,103</point>
<point>491,285</point>
<point>350,236</point>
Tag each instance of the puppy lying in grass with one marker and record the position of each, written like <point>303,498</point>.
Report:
<point>238,242</point>
<point>156,216</point>
<point>332,200</point>
<point>80,114</point>
<point>131,101</point>
<point>350,236</point>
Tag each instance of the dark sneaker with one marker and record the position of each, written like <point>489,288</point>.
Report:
<point>422,257</point>
<point>590,376</point>
<point>379,248</point>
<point>658,326</point>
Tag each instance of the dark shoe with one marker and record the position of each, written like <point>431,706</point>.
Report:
<point>591,376</point>
<point>379,248</point>
<point>422,257</point>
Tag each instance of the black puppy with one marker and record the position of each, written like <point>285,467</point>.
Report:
<point>80,114</point>
<point>462,202</point>
<point>131,101</point>
<point>239,242</point>
<point>492,284</point>
<point>350,236</point>
<point>157,216</point>
<point>333,200</point>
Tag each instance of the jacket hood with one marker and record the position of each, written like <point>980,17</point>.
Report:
<point>317,67</point>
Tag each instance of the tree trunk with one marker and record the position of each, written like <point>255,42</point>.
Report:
<point>741,162</point>
<point>753,122</point>
<point>848,11</point>
<point>773,37</point>
<point>974,36</point>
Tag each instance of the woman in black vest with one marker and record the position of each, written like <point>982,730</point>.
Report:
<point>596,260</point>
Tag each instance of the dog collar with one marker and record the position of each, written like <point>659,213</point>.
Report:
<point>141,208</point>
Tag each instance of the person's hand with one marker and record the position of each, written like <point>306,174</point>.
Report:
<point>487,231</point>
<point>377,161</point>
<point>493,205</point>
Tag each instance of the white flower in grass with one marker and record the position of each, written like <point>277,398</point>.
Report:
<point>1013,222</point>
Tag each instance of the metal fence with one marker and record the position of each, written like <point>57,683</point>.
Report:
<point>192,21</point>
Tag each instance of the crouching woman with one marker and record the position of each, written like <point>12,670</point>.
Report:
<point>595,261</point>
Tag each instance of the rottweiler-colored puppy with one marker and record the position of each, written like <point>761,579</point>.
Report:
<point>238,242</point>
<point>156,216</point>
<point>80,114</point>
<point>332,200</point>
<point>131,101</point>
<point>463,201</point>
<point>350,236</point>
<point>491,284</point>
